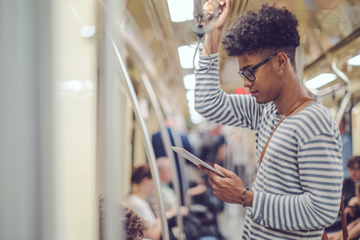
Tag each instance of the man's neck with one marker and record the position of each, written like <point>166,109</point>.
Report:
<point>291,93</point>
<point>141,195</point>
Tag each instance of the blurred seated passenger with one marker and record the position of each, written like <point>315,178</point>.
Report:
<point>214,148</point>
<point>143,187</point>
<point>134,225</point>
<point>198,223</point>
<point>351,194</point>
<point>159,151</point>
<point>169,196</point>
<point>353,231</point>
<point>349,184</point>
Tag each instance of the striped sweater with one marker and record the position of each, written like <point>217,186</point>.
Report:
<point>297,190</point>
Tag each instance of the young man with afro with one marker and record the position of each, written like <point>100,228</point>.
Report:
<point>297,190</point>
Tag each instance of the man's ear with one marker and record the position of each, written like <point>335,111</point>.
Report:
<point>146,179</point>
<point>282,60</point>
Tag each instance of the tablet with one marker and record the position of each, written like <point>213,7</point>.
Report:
<point>196,160</point>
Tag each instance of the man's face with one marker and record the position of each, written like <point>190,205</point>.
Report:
<point>267,84</point>
<point>148,185</point>
<point>165,172</point>
<point>354,172</point>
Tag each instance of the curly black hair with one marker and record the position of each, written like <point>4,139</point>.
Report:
<point>266,32</point>
<point>133,225</point>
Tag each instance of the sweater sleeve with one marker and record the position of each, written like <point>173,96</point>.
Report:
<point>320,171</point>
<point>215,105</point>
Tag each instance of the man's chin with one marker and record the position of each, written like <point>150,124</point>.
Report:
<point>261,101</point>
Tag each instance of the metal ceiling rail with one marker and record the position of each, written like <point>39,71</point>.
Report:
<point>333,88</point>
<point>344,42</point>
<point>347,97</point>
<point>145,135</point>
<point>167,145</point>
<point>338,72</point>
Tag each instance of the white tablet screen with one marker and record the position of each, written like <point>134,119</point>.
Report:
<point>195,160</point>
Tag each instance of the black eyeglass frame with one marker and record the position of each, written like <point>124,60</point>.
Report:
<point>252,70</point>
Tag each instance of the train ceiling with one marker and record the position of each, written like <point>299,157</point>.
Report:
<point>323,24</point>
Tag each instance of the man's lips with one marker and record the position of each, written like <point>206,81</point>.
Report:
<point>253,93</point>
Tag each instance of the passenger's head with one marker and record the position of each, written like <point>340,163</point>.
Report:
<point>254,36</point>
<point>133,225</point>
<point>354,168</point>
<point>141,176</point>
<point>164,167</point>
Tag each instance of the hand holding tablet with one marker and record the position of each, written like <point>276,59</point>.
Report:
<point>196,160</point>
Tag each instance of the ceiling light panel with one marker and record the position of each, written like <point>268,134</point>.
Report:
<point>320,80</point>
<point>186,55</point>
<point>181,10</point>
<point>355,61</point>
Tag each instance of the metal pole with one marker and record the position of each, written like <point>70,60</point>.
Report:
<point>300,61</point>
<point>148,146</point>
<point>113,230</point>
<point>347,97</point>
<point>27,187</point>
<point>167,144</point>
<point>178,143</point>
<point>183,169</point>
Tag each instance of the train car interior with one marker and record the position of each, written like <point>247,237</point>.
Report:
<point>94,94</point>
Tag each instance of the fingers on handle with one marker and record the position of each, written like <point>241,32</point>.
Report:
<point>209,7</point>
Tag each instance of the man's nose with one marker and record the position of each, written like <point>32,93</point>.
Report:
<point>247,83</point>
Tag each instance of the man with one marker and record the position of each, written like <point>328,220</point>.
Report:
<point>351,194</point>
<point>353,167</point>
<point>169,196</point>
<point>207,228</point>
<point>298,187</point>
<point>159,151</point>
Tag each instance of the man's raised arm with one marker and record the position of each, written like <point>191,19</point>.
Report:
<point>210,101</point>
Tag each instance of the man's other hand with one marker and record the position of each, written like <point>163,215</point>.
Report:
<point>229,189</point>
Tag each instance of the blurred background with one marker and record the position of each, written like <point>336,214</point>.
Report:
<point>91,90</point>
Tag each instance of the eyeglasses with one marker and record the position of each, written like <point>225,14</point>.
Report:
<point>249,73</point>
<point>354,169</point>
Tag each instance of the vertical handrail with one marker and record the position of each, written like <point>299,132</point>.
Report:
<point>148,146</point>
<point>183,170</point>
<point>343,106</point>
<point>182,164</point>
<point>167,144</point>
<point>178,143</point>
<point>300,62</point>
<point>113,230</point>
<point>339,73</point>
